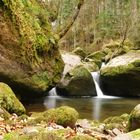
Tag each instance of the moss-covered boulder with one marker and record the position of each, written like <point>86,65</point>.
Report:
<point>120,76</point>
<point>116,48</point>
<point>30,61</point>
<point>65,116</point>
<point>119,122</point>
<point>134,119</point>
<point>96,57</point>
<point>77,82</point>
<point>90,66</point>
<point>79,51</point>
<point>8,100</point>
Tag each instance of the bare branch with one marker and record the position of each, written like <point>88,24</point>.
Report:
<point>71,22</point>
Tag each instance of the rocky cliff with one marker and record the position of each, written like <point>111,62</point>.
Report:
<point>29,58</point>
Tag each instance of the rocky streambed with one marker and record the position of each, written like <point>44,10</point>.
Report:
<point>61,123</point>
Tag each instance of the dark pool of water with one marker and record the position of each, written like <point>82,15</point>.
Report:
<point>88,107</point>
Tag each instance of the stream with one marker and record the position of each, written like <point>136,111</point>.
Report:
<point>97,108</point>
<point>88,107</point>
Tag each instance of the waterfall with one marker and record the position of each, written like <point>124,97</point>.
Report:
<point>95,76</point>
<point>53,92</point>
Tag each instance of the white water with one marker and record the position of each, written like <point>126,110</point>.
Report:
<point>52,92</point>
<point>95,76</point>
<point>100,94</point>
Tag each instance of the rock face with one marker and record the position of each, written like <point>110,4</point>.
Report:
<point>29,58</point>
<point>8,100</point>
<point>121,76</point>
<point>77,82</point>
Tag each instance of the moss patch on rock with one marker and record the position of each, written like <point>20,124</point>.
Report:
<point>119,122</point>
<point>77,82</point>
<point>65,116</point>
<point>96,57</point>
<point>30,59</point>
<point>116,48</point>
<point>8,100</point>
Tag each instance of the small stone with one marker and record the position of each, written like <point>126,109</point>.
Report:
<point>123,137</point>
<point>1,119</point>
<point>30,130</point>
<point>116,131</point>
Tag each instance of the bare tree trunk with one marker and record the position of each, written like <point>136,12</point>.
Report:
<point>71,22</point>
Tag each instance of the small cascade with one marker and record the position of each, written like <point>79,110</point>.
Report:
<point>96,79</point>
<point>95,76</point>
<point>53,92</point>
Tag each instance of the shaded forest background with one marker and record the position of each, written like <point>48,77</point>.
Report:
<point>98,22</point>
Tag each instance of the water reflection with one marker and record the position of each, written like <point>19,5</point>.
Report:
<point>90,108</point>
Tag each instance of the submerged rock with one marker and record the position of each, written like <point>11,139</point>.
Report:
<point>120,77</point>
<point>29,58</point>
<point>77,82</point>
<point>9,102</point>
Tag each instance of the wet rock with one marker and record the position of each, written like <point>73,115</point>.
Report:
<point>120,77</point>
<point>77,82</point>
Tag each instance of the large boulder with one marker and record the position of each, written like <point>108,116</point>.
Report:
<point>121,76</point>
<point>77,82</point>
<point>9,101</point>
<point>29,58</point>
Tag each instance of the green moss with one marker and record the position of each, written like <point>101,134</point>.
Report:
<point>96,57</point>
<point>79,51</point>
<point>116,48</point>
<point>65,116</point>
<point>9,101</point>
<point>121,69</point>
<point>82,137</point>
<point>119,122</point>
<point>79,71</point>
<point>135,134</point>
<point>14,136</point>
<point>31,21</point>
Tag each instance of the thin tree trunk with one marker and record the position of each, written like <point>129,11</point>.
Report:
<point>71,22</point>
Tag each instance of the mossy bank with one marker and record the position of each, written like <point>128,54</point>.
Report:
<point>30,60</point>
